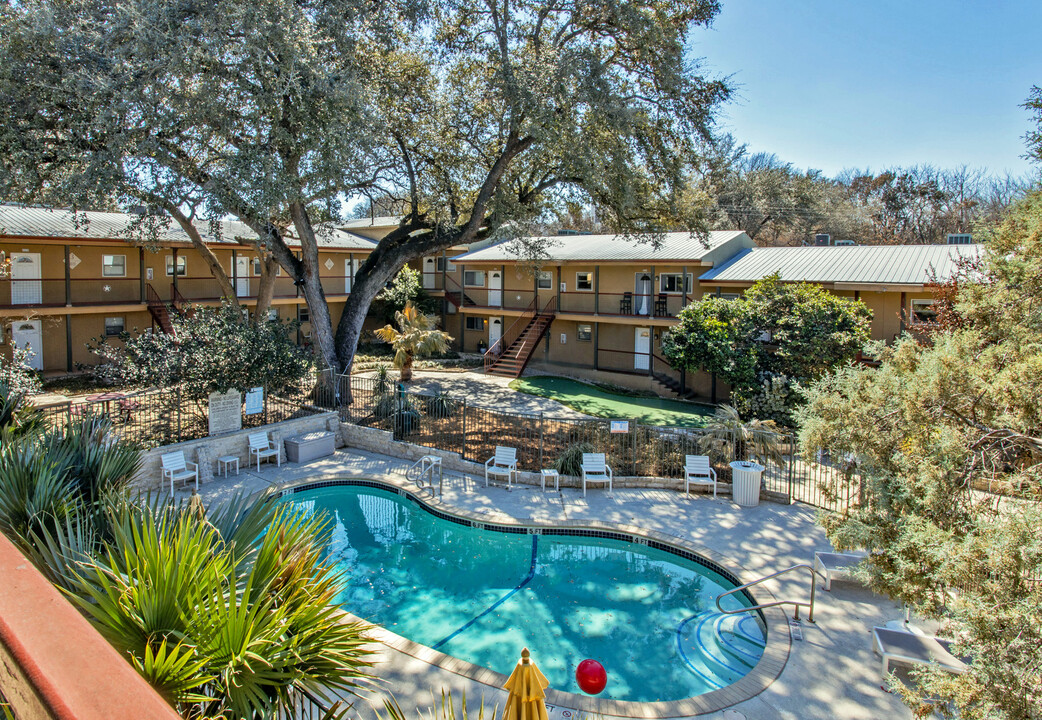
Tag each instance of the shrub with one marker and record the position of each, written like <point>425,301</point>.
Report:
<point>571,460</point>
<point>440,406</point>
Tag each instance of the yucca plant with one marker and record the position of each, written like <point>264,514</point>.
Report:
<point>415,336</point>
<point>571,460</point>
<point>229,617</point>
<point>18,417</point>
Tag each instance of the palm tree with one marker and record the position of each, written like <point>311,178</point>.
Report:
<point>417,336</point>
<point>728,437</point>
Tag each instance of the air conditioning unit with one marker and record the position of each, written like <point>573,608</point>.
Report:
<point>960,239</point>
<point>822,239</point>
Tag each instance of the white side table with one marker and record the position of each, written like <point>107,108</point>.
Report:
<point>551,473</point>
<point>225,461</point>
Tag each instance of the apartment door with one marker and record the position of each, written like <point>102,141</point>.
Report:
<point>349,274</point>
<point>495,289</point>
<point>641,348</point>
<point>430,273</point>
<point>495,331</point>
<point>642,294</point>
<point>242,276</point>
<point>26,283</point>
<point>28,334</point>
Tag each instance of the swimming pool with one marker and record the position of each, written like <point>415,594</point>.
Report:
<point>480,595</point>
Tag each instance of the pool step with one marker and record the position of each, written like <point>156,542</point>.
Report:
<point>720,648</point>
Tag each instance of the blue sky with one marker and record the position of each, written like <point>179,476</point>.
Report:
<point>832,84</point>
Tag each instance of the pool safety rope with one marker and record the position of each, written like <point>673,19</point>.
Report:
<point>527,579</point>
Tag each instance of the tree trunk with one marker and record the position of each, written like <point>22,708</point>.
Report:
<point>406,373</point>
<point>321,322</point>
<point>227,291</point>
<point>266,291</point>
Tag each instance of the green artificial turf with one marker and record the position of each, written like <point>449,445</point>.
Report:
<point>592,400</point>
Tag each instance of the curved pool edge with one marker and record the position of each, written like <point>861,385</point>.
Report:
<point>766,671</point>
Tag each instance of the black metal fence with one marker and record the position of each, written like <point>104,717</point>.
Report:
<point>164,416</point>
<point>454,424</point>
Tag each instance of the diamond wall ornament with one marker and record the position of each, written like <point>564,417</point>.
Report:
<point>329,263</point>
<point>73,261</point>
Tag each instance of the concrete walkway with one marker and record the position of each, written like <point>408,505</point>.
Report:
<point>490,391</point>
<point>831,672</point>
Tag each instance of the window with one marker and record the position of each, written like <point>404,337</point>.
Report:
<point>729,296</point>
<point>474,278</point>
<point>443,264</point>
<point>670,283</point>
<point>114,326</point>
<point>544,280</point>
<point>475,323</point>
<point>923,311</point>
<point>182,265</point>
<point>114,265</point>
<point>257,268</point>
<point>584,281</point>
<point>584,333</point>
<point>960,239</point>
<point>303,315</point>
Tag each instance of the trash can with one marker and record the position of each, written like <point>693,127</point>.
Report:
<point>745,482</point>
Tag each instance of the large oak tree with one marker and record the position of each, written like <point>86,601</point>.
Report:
<point>474,118</point>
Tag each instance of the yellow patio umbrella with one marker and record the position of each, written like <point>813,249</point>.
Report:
<point>526,684</point>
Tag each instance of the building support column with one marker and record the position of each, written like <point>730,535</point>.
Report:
<point>141,274</point>
<point>904,306</point>
<point>558,288</point>
<point>596,291</point>
<point>235,271</point>
<point>175,269</point>
<point>596,346</point>
<point>651,308</point>
<point>68,340</point>
<point>68,279</point>
<point>683,291</point>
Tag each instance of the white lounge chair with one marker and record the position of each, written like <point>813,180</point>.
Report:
<point>698,471</point>
<point>175,468</point>
<point>838,565</point>
<point>504,462</point>
<point>261,447</point>
<point>911,649</point>
<point>595,470</point>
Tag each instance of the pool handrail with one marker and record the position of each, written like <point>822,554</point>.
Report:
<point>796,605</point>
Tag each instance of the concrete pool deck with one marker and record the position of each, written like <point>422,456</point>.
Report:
<point>830,673</point>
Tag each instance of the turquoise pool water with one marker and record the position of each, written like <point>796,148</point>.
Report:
<point>481,595</point>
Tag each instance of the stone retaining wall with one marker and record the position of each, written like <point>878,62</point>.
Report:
<point>205,451</point>
<point>383,442</point>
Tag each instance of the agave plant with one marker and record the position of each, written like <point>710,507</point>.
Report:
<point>228,617</point>
<point>416,336</point>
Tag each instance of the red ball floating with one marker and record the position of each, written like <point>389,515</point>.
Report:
<point>591,676</point>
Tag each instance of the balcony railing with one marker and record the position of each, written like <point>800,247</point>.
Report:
<point>626,304</point>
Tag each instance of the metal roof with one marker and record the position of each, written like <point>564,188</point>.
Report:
<point>33,222</point>
<point>675,246</point>
<point>858,264</point>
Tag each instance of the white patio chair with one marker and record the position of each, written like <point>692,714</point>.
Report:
<point>911,649</point>
<point>504,462</point>
<point>698,471</point>
<point>261,447</point>
<point>595,470</point>
<point>175,468</point>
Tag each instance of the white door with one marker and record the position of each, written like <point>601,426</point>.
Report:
<point>495,331</point>
<point>430,273</point>
<point>642,294</point>
<point>242,276</point>
<point>495,289</point>
<point>26,286</point>
<point>27,334</point>
<point>642,348</point>
<point>349,274</point>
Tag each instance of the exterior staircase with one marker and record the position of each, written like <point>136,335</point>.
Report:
<point>455,294</point>
<point>509,355</point>
<point>673,386</point>
<point>161,310</point>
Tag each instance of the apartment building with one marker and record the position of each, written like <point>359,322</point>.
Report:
<point>71,278</point>
<point>597,306</point>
